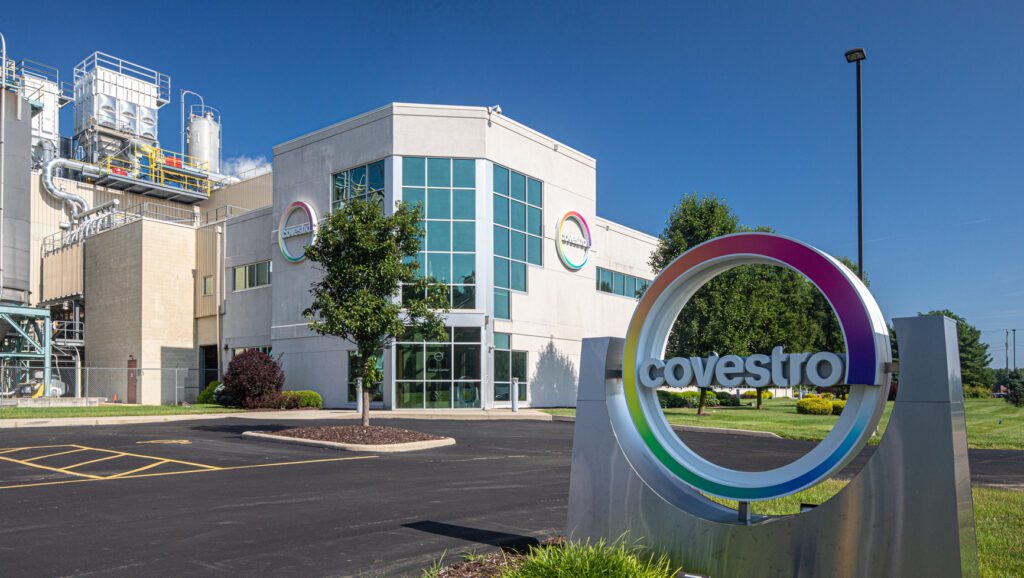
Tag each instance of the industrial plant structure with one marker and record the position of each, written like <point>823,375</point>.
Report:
<point>133,272</point>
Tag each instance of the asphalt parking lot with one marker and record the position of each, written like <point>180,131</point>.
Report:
<point>197,498</point>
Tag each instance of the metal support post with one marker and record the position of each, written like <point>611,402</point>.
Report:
<point>514,394</point>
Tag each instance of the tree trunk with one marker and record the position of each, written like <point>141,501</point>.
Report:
<point>760,392</point>
<point>703,398</point>
<point>366,407</point>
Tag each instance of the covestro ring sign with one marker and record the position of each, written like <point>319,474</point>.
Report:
<point>297,220</point>
<point>653,449</point>
<point>572,241</point>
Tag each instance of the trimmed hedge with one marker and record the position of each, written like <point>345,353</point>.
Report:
<point>827,395</point>
<point>814,406</point>
<point>305,398</point>
<point>752,394</point>
<point>207,396</point>
<point>677,399</point>
<point>837,406</point>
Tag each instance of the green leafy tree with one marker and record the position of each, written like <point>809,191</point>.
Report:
<point>974,355</point>
<point>365,257</point>
<point>749,309</point>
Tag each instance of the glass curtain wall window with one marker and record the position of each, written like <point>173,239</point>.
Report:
<point>445,189</point>
<point>376,392</point>
<point>621,284</point>
<point>362,182</point>
<point>518,233</point>
<point>509,363</point>
<point>438,375</point>
<point>253,275</point>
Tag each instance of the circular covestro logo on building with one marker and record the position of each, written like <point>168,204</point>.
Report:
<point>657,454</point>
<point>296,231</point>
<point>572,240</point>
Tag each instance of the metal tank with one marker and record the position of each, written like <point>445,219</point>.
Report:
<point>204,136</point>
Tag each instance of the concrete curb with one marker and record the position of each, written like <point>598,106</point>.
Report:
<point>324,414</point>
<point>377,448</point>
<point>699,428</point>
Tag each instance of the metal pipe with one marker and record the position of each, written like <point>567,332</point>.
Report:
<point>78,203</point>
<point>100,208</point>
<point>3,150</point>
<point>217,298</point>
<point>182,99</point>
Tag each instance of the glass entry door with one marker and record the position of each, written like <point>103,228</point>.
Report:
<point>509,363</point>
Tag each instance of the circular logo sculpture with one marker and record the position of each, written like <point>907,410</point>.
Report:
<point>306,225</point>
<point>654,450</point>
<point>572,240</point>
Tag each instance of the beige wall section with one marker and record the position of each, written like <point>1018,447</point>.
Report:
<point>47,214</point>
<point>206,331</point>
<point>206,265</point>
<point>249,194</point>
<point>63,273</point>
<point>139,302</point>
<point>168,337</point>
<point>113,274</point>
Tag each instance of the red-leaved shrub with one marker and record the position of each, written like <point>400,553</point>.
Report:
<point>252,376</point>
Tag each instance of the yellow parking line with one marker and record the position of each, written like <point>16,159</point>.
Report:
<point>42,467</point>
<point>93,461</point>
<point>199,471</point>
<point>54,455</point>
<point>158,458</point>
<point>143,468</point>
<point>12,450</point>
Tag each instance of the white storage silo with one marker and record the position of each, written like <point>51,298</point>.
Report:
<point>204,136</point>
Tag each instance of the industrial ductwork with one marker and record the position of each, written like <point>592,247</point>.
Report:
<point>78,203</point>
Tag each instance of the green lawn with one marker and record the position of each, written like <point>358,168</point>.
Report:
<point>998,521</point>
<point>991,423</point>
<point>111,410</point>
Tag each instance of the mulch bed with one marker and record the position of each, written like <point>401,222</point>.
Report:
<point>357,434</point>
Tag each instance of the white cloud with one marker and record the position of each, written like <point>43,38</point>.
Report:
<point>245,167</point>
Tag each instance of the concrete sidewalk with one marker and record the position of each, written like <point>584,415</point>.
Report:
<point>322,414</point>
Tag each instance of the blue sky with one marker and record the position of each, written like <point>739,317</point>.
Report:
<point>750,101</point>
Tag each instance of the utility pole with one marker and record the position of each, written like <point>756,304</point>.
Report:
<point>1015,350</point>
<point>1006,351</point>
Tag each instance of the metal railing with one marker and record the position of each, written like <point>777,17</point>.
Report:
<point>221,214</point>
<point>168,168</point>
<point>116,218</point>
<point>69,331</point>
<point>102,60</point>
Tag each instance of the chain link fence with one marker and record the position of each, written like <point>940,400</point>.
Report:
<point>150,386</point>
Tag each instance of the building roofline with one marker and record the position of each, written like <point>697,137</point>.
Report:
<point>398,108</point>
<point>609,222</point>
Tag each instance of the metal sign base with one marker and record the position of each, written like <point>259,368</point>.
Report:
<point>909,512</point>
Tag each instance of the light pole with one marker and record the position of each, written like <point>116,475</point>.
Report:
<point>1015,350</point>
<point>857,55</point>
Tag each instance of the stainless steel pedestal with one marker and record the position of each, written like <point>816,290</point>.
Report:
<point>907,513</point>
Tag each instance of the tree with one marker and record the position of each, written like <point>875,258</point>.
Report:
<point>749,309</point>
<point>974,355</point>
<point>1015,387</point>
<point>366,257</point>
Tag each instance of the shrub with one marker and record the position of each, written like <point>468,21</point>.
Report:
<point>827,395</point>
<point>726,399</point>
<point>597,559</point>
<point>677,399</point>
<point>206,396</point>
<point>305,398</point>
<point>251,377</point>
<point>837,406</point>
<point>814,406</point>
<point>272,400</point>
<point>224,397</point>
<point>977,392</point>
<point>752,394</point>
<point>811,395</point>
